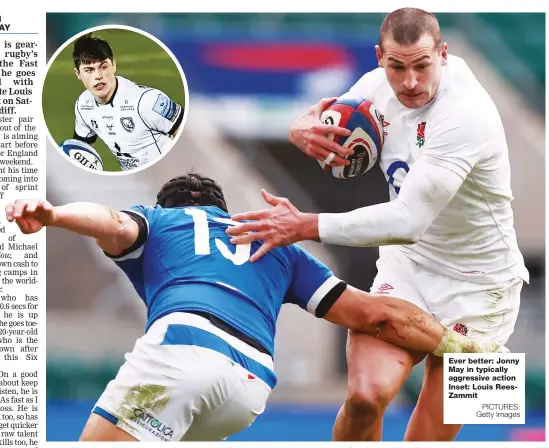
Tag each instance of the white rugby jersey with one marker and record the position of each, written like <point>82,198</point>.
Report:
<point>459,138</point>
<point>137,123</point>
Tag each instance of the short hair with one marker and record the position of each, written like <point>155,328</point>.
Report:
<point>407,25</point>
<point>91,48</point>
<point>191,189</point>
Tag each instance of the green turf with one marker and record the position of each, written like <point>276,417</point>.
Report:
<point>137,58</point>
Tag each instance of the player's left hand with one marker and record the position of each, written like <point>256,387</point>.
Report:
<point>281,225</point>
<point>31,215</point>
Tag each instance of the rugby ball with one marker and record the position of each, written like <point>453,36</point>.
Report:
<point>359,116</point>
<point>83,153</point>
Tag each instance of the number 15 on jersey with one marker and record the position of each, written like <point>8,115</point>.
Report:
<point>202,238</point>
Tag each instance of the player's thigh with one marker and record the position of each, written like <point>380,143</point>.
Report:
<point>239,410</point>
<point>376,369</point>
<point>481,311</point>
<point>99,429</point>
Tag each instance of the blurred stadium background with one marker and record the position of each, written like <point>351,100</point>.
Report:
<point>249,76</point>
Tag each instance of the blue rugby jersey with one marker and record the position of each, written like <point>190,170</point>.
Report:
<point>183,262</point>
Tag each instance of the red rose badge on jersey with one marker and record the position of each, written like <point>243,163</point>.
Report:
<point>421,133</point>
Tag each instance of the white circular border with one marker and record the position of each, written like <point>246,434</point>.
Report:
<point>181,73</point>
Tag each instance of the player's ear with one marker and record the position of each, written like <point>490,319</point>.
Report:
<point>77,73</point>
<point>379,56</point>
<point>114,65</point>
<point>444,53</point>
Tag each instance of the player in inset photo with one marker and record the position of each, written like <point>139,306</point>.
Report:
<point>137,122</point>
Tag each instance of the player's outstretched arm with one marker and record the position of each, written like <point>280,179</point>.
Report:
<point>114,231</point>
<point>427,189</point>
<point>456,144</point>
<point>401,323</point>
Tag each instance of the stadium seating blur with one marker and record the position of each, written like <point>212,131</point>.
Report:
<point>249,76</point>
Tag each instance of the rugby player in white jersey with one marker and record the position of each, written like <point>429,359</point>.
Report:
<point>447,235</point>
<point>136,122</point>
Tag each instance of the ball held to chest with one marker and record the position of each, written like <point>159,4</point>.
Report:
<point>365,122</point>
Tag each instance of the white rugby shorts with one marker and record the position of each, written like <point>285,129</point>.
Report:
<point>187,380</point>
<point>480,311</point>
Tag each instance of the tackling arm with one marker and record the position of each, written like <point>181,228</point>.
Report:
<point>114,231</point>
<point>401,323</point>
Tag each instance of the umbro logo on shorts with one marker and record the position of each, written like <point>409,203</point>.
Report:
<point>383,289</point>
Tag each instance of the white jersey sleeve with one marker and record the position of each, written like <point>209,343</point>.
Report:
<point>455,145</point>
<point>81,129</point>
<point>159,112</point>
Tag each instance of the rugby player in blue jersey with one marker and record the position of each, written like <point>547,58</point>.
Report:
<point>204,368</point>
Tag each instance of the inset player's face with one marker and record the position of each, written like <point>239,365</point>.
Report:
<point>99,78</point>
<point>413,71</point>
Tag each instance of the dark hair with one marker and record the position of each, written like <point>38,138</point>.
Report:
<point>90,48</point>
<point>407,25</point>
<point>191,189</point>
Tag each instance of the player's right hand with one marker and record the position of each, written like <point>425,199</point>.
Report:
<point>310,135</point>
<point>30,214</point>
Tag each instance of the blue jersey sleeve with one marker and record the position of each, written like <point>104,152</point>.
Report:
<point>142,216</point>
<point>131,260</point>
<point>314,287</point>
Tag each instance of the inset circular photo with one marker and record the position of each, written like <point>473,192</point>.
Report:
<point>114,99</point>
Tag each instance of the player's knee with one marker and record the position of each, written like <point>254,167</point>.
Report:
<point>368,403</point>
